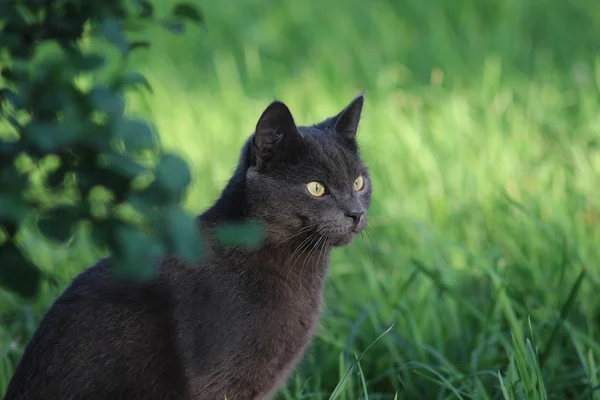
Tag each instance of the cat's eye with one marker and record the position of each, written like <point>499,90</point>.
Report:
<point>359,183</point>
<point>315,188</point>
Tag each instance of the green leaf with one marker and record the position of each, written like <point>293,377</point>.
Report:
<point>188,11</point>
<point>247,234</point>
<point>110,28</point>
<point>182,234</point>
<point>172,175</point>
<point>18,274</point>
<point>137,254</point>
<point>58,224</point>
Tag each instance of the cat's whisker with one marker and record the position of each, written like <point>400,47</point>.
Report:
<point>302,247</point>
<point>305,242</point>
<point>315,246</point>
<point>321,253</point>
<point>301,231</point>
<point>368,237</point>
<point>369,246</point>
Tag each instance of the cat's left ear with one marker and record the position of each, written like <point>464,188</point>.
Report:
<point>347,121</point>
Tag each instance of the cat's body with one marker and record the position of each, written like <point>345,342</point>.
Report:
<point>236,324</point>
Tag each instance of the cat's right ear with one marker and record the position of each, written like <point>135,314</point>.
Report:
<point>275,133</point>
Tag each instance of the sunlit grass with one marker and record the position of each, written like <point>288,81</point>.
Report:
<point>485,172</point>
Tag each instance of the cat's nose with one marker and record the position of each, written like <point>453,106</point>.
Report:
<point>356,216</point>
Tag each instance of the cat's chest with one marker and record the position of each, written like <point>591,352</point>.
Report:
<point>276,350</point>
<point>253,356</point>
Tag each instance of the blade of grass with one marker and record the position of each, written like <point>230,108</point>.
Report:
<point>341,384</point>
<point>564,312</point>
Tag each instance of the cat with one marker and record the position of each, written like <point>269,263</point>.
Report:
<point>235,325</point>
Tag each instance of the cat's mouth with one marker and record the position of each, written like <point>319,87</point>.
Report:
<point>342,237</point>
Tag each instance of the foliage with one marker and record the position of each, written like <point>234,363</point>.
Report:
<point>69,155</point>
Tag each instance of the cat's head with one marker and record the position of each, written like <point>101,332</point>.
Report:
<point>308,180</point>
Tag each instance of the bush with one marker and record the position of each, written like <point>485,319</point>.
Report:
<point>69,155</point>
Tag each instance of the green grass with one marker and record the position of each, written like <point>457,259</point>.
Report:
<point>481,128</point>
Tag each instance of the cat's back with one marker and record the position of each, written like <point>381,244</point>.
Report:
<point>100,339</point>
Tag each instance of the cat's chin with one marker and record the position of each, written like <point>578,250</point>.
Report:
<point>342,240</point>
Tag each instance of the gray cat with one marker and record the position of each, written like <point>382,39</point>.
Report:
<point>236,324</point>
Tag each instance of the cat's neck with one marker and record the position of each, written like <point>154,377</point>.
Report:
<point>304,264</point>
<point>231,205</point>
<point>298,260</point>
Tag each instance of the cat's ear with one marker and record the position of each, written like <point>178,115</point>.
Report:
<point>346,123</point>
<point>275,132</point>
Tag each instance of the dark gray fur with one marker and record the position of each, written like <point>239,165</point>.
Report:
<point>236,324</point>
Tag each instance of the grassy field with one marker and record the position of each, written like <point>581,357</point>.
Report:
<point>481,129</point>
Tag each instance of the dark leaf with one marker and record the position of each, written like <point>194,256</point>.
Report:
<point>115,178</point>
<point>18,274</point>
<point>11,97</point>
<point>148,198</point>
<point>14,123</point>
<point>9,75</point>
<point>122,164</point>
<point>12,207</point>
<point>247,234</point>
<point>87,62</point>
<point>11,40</point>
<point>188,11</point>
<point>103,232</point>
<point>137,254</point>
<point>135,134</point>
<point>48,136</point>
<point>146,9</point>
<point>132,26</point>
<point>134,78</point>
<point>9,150</point>
<point>182,234</point>
<point>57,177</point>
<point>175,27</point>
<point>110,28</point>
<point>58,224</point>
<point>138,44</point>
<point>107,100</point>
<point>12,181</point>
<point>7,10</point>
<point>173,175</point>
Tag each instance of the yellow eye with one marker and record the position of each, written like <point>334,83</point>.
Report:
<point>359,183</point>
<point>317,189</point>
